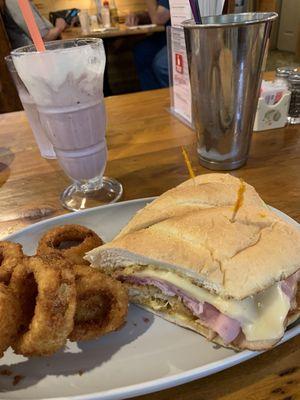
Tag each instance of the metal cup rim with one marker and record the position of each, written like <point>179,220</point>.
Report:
<point>256,18</point>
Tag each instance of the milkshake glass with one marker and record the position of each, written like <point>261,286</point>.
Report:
<point>66,83</point>
<point>44,145</point>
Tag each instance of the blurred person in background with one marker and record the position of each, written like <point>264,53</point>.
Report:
<point>17,29</point>
<point>151,55</point>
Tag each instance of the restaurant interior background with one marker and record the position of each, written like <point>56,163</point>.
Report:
<point>122,77</point>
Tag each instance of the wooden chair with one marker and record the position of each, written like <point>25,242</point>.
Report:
<point>9,99</point>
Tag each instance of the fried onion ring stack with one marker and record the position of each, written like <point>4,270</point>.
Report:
<point>10,314</point>
<point>54,296</point>
<point>10,255</point>
<point>69,241</point>
<point>102,304</point>
<point>45,290</point>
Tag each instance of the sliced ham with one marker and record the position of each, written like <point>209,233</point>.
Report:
<point>289,285</point>
<point>195,306</point>
<point>227,328</point>
<point>209,316</point>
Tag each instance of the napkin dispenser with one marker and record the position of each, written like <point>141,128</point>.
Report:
<point>272,116</point>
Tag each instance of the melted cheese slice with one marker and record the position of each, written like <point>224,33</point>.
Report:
<point>261,316</point>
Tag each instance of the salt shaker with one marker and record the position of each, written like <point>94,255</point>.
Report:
<point>294,87</point>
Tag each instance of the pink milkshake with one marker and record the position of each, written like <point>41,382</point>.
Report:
<point>38,130</point>
<point>66,83</point>
<point>78,136</point>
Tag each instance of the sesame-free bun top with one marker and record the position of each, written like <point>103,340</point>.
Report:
<point>202,192</point>
<point>196,231</point>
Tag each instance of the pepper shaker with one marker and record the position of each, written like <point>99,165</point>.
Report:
<point>294,87</point>
<point>282,74</point>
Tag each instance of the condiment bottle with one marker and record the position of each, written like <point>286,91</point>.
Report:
<point>94,22</point>
<point>294,87</point>
<point>114,18</point>
<point>105,13</point>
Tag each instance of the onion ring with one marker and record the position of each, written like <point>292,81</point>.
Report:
<point>45,289</point>
<point>70,241</point>
<point>10,255</point>
<point>102,304</point>
<point>9,318</point>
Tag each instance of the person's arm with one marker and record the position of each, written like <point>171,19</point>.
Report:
<point>47,30</point>
<point>159,14</point>
<point>54,33</point>
<point>135,19</point>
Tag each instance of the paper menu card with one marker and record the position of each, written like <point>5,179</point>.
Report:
<point>180,76</point>
<point>180,10</point>
<point>181,106</point>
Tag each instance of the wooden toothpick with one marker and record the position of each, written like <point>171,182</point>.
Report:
<point>188,163</point>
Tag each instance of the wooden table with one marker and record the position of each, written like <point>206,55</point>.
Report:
<point>144,154</point>
<point>123,30</point>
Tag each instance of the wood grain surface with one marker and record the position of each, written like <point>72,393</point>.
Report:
<point>123,30</point>
<point>144,142</point>
<point>124,6</point>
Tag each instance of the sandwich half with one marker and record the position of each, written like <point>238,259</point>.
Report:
<point>210,256</point>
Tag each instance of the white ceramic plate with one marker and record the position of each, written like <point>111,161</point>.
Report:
<point>147,355</point>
